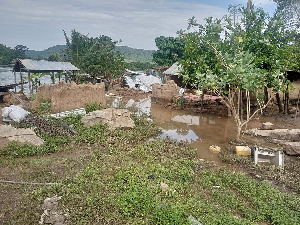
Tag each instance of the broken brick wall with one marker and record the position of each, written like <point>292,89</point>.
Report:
<point>164,92</point>
<point>71,96</point>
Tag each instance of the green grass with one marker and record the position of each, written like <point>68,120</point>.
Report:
<point>118,181</point>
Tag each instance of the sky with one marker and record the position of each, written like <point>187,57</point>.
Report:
<point>39,24</point>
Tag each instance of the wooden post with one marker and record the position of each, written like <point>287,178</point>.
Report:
<point>15,81</point>
<point>21,79</point>
<point>29,84</point>
<point>52,77</point>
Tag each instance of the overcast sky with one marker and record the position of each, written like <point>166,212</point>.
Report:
<point>38,24</point>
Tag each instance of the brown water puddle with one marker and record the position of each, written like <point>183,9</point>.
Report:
<point>199,130</point>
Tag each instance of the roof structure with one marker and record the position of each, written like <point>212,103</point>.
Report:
<point>42,66</point>
<point>173,70</point>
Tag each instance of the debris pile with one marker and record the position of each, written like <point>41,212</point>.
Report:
<point>51,214</point>
<point>42,125</point>
<point>287,139</point>
<point>20,135</point>
<point>114,118</point>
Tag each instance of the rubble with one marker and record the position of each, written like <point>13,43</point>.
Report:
<point>20,135</point>
<point>114,118</point>
<point>287,139</point>
<point>51,214</point>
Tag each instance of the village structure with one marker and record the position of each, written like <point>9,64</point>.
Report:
<point>163,84</point>
<point>69,92</point>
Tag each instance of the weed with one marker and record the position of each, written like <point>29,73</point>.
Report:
<point>90,107</point>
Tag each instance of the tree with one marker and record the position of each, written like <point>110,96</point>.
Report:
<point>7,55</point>
<point>170,49</point>
<point>290,11</point>
<point>21,48</point>
<point>224,66</point>
<point>96,56</point>
<point>269,39</point>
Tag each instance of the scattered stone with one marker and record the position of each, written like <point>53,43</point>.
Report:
<point>193,221</point>
<point>20,135</point>
<point>288,139</point>
<point>114,118</point>
<point>51,214</point>
<point>164,187</point>
<point>267,126</point>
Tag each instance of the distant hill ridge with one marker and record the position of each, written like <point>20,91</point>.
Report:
<point>130,54</point>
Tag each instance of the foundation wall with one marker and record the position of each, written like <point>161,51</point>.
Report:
<point>71,96</point>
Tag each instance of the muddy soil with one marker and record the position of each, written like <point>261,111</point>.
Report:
<point>287,179</point>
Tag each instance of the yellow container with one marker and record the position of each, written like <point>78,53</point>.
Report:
<point>214,148</point>
<point>243,150</point>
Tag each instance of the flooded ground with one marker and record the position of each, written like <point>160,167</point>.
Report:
<point>199,130</point>
<point>7,77</point>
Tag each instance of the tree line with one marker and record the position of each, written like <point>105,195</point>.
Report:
<point>7,55</point>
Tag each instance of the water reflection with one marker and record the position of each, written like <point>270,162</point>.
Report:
<point>177,135</point>
<point>199,130</point>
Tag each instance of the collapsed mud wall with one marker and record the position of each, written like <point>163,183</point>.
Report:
<point>71,96</point>
<point>164,92</point>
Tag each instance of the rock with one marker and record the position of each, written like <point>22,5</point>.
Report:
<point>293,110</point>
<point>288,139</point>
<point>289,147</point>
<point>21,135</point>
<point>164,187</point>
<point>193,221</point>
<point>51,214</point>
<point>114,118</point>
<point>267,126</point>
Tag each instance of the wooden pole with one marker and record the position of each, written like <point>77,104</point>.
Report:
<point>15,81</point>
<point>52,77</point>
<point>21,79</point>
<point>29,84</point>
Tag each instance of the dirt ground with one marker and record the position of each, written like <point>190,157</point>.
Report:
<point>12,198</point>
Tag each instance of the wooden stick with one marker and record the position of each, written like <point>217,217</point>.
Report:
<point>28,183</point>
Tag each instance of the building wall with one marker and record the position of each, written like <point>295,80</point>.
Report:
<point>71,96</point>
<point>164,92</point>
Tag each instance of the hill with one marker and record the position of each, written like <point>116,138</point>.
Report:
<point>45,53</point>
<point>130,54</point>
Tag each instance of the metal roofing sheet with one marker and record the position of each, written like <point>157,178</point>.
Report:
<point>44,65</point>
<point>173,70</point>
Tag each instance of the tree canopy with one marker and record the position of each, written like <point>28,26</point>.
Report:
<point>170,49</point>
<point>7,55</point>
<point>234,58</point>
<point>96,56</point>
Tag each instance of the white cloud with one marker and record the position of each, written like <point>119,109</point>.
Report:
<point>39,24</point>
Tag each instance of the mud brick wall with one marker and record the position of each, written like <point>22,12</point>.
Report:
<point>164,92</point>
<point>71,96</point>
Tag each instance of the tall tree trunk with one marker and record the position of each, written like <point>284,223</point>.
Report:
<point>279,103</point>
<point>266,95</point>
<point>286,100</point>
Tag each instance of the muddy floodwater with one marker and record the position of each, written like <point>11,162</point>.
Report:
<point>199,130</point>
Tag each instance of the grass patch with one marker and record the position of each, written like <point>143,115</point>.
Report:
<point>120,182</point>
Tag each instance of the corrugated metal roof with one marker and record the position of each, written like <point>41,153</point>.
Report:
<point>173,70</point>
<point>43,65</point>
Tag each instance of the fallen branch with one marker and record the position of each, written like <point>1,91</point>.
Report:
<point>28,183</point>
